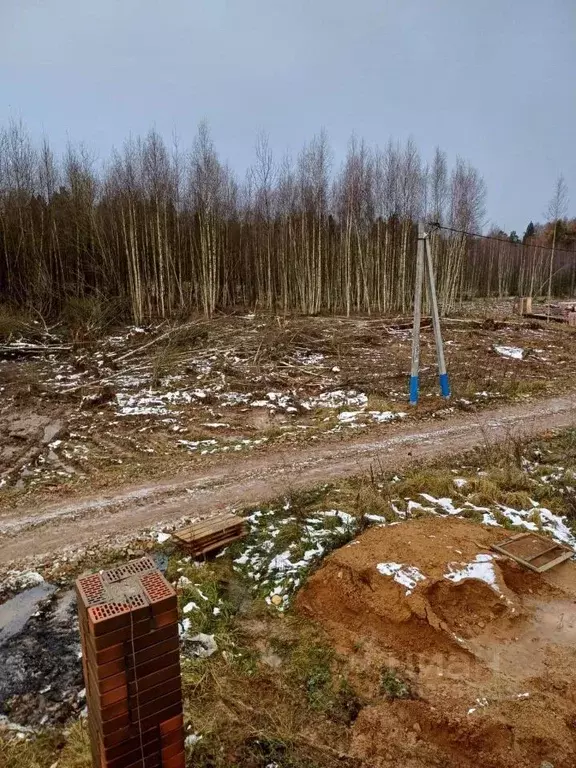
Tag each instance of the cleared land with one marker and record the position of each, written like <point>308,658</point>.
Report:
<point>365,620</point>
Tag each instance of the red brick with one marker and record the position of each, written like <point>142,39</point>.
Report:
<point>154,665</point>
<point>106,655</point>
<point>173,737</point>
<point>170,711</point>
<point>89,590</point>
<point>164,673</point>
<point>135,761</point>
<point>178,761</point>
<point>158,704</point>
<point>149,739</point>
<point>164,619</point>
<point>141,633</point>
<point>170,750</point>
<point>160,593</point>
<point>137,701</point>
<point>107,617</point>
<point>134,754</point>
<point>106,699</point>
<point>113,668</point>
<point>131,667</point>
<point>152,652</point>
<point>166,726</point>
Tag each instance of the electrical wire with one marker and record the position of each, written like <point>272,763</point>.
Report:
<point>436,225</point>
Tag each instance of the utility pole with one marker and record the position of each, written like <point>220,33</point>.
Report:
<point>415,372</point>
<point>424,263</point>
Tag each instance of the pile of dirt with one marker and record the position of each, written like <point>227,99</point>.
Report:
<point>486,649</point>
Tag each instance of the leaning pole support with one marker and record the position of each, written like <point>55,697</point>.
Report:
<point>424,264</point>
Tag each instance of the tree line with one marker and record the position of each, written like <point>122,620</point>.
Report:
<point>161,230</point>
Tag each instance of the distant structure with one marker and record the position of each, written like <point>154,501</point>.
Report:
<point>130,655</point>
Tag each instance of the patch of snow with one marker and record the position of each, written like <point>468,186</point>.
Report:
<point>191,606</point>
<point>308,358</point>
<point>348,416</point>
<point>382,416</point>
<point>337,398</point>
<point>375,518</point>
<point>516,353</point>
<point>405,575</point>
<point>162,537</point>
<point>234,398</point>
<point>444,503</point>
<point>482,568</point>
<point>279,573</point>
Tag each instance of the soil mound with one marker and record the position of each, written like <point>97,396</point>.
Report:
<point>486,649</point>
<point>428,584</point>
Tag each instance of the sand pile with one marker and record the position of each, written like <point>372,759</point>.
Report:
<point>420,583</point>
<point>487,649</point>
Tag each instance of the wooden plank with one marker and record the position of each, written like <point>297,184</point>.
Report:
<point>202,530</point>
<point>214,533</point>
<point>204,542</point>
<point>195,536</point>
<point>544,552</point>
<point>217,545</point>
<point>561,559</point>
<point>211,524</point>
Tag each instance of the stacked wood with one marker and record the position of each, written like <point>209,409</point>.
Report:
<point>208,535</point>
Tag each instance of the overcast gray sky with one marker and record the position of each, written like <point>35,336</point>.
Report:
<point>491,80</point>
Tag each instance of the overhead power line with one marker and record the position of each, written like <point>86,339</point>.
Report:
<point>435,225</point>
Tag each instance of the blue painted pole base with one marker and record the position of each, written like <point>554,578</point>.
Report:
<point>444,385</point>
<point>414,390</point>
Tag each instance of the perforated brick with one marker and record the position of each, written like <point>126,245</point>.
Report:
<point>161,595</point>
<point>133,568</point>
<point>107,617</point>
<point>90,589</point>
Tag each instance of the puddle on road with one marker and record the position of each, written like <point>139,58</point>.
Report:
<point>15,612</point>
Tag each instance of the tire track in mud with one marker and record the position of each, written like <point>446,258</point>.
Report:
<point>242,481</point>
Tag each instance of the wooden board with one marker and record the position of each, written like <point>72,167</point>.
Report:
<point>534,551</point>
<point>213,533</point>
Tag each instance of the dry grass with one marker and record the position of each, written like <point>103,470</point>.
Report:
<point>70,749</point>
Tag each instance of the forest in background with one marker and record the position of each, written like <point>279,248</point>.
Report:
<point>160,231</point>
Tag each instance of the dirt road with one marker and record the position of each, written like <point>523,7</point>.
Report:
<point>244,481</point>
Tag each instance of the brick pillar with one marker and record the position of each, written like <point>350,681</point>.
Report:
<point>130,656</point>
